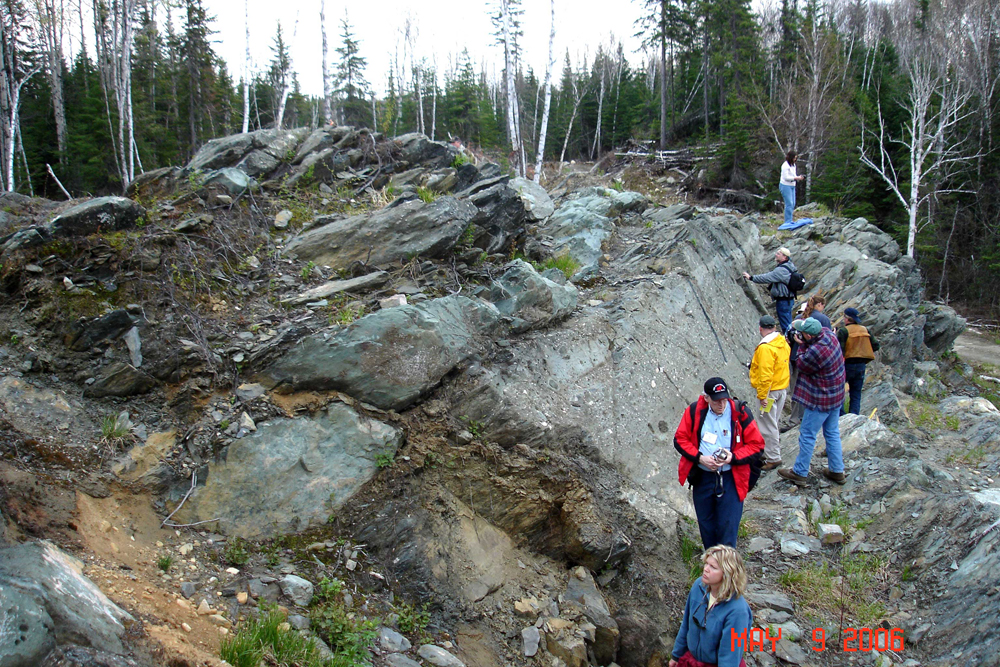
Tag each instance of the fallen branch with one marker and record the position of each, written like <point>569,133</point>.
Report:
<point>194,481</point>
<point>58,182</point>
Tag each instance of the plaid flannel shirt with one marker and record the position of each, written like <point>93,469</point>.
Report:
<point>821,373</point>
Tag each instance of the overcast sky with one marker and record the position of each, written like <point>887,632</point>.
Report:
<point>444,28</point>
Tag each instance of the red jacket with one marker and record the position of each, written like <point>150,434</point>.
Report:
<point>747,441</point>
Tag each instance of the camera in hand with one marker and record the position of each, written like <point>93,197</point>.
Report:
<point>719,454</point>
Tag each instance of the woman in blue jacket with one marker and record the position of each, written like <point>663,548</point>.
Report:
<point>715,607</point>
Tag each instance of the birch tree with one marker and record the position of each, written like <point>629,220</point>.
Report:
<point>15,71</point>
<point>50,17</point>
<point>246,68</point>
<point>933,146</point>
<point>549,66</point>
<point>327,82</point>
<point>115,25</point>
<point>513,130</point>
<point>286,81</point>
<point>602,64</point>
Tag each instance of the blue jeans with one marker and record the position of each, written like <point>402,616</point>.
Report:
<point>784,308</point>
<point>812,420</point>
<point>718,515</point>
<point>855,371</point>
<point>788,194</point>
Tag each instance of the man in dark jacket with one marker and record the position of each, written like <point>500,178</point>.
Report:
<point>859,347</point>
<point>717,439</point>
<point>820,390</point>
<point>778,279</point>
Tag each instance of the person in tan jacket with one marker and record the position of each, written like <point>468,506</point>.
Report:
<point>769,375</point>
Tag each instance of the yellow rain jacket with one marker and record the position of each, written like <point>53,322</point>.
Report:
<point>769,369</point>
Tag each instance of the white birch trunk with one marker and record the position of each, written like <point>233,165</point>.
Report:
<point>327,84</point>
<point>246,67</point>
<point>600,112</point>
<point>287,83</point>
<point>434,100</point>
<point>512,132</point>
<point>50,18</point>
<point>548,97</point>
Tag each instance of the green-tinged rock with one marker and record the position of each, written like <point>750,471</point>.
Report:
<point>291,474</point>
<point>391,357</point>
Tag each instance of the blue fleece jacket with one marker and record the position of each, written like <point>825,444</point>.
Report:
<point>706,633</point>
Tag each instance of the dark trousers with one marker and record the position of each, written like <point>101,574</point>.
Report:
<point>718,507</point>
<point>784,308</point>
<point>855,371</point>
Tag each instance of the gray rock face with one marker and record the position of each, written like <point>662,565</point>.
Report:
<point>120,379</point>
<point>617,378</point>
<point>500,213</point>
<point>391,357</point>
<point>412,229</point>
<point>41,413</point>
<point>578,228</point>
<point>534,301</point>
<point>79,656</point>
<point>298,590</point>
<point>400,660</point>
<point>102,213</point>
<point>372,280</point>
<point>537,203</point>
<point>418,149</point>
<point>254,153</point>
<point>84,334</point>
<point>438,657</point>
<point>942,326</point>
<point>759,596</point>
<point>52,603</point>
<point>292,473</point>
<point>531,638</point>
<point>229,179</point>
<point>392,641</point>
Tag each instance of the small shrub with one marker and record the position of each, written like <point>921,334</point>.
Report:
<point>113,428</point>
<point>385,460</point>
<point>348,638</point>
<point>164,563</point>
<point>426,195</point>
<point>564,263</point>
<point>348,314</point>
<point>952,422</point>
<point>327,590</point>
<point>308,269</point>
<point>236,553</point>
<point>412,620</point>
<point>224,424</point>
<point>459,160</point>
<point>691,555</point>
<point>468,236</point>
<point>908,574</point>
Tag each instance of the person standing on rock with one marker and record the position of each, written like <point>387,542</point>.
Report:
<point>789,177</point>
<point>718,440</point>
<point>859,347</point>
<point>715,608</point>
<point>820,390</point>
<point>795,411</point>
<point>814,308</point>
<point>778,279</point>
<point>769,375</point>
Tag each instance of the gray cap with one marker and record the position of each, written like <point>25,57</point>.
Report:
<point>767,322</point>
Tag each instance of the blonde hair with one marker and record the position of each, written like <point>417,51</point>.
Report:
<point>734,574</point>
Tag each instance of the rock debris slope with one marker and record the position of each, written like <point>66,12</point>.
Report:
<point>477,384</point>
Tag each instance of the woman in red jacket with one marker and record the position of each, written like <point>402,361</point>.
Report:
<point>720,448</point>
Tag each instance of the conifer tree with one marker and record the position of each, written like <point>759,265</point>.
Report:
<point>351,83</point>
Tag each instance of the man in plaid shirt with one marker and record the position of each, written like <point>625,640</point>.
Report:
<point>820,390</point>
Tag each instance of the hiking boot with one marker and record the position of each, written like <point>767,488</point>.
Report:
<point>790,475</point>
<point>786,428</point>
<point>838,477</point>
<point>771,465</point>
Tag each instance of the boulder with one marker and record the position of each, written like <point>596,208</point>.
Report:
<point>391,641</point>
<point>254,153</point>
<point>391,357</point>
<point>55,603</point>
<point>291,474</point>
<point>44,414</point>
<point>416,148</point>
<point>501,214</point>
<point>298,590</point>
<point>412,229</point>
<point>228,179</point>
<point>532,300</point>
<point>438,657</point>
<point>222,152</point>
<point>581,588</point>
<point>941,326</point>
<point>120,379</point>
<point>759,596</point>
<point>400,660</point>
<point>531,638</point>
<point>84,334</point>
<point>578,228</point>
<point>99,214</point>
<point>80,656</point>
<point>640,639</point>
<point>537,203</point>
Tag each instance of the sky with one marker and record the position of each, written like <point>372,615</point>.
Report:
<point>444,28</point>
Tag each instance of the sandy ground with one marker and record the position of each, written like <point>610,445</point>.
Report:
<point>976,347</point>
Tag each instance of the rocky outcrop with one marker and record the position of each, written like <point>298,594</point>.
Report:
<point>107,214</point>
<point>393,234</point>
<point>291,474</point>
<point>46,601</point>
<point>389,358</point>
<point>255,153</point>
<point>531,300</point>
<point>45,414</point>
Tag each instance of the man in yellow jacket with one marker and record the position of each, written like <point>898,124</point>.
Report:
<point>769,376</point>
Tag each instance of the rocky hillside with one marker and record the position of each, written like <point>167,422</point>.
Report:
<point>372,392</point>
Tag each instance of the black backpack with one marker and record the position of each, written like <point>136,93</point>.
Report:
<point>796,282</point>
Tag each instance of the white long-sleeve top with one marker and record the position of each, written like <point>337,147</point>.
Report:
<point>787,173</point>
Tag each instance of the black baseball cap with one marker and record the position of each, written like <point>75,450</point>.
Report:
<point>716,388</point>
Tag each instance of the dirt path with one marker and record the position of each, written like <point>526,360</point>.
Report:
<point>975,347</point>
